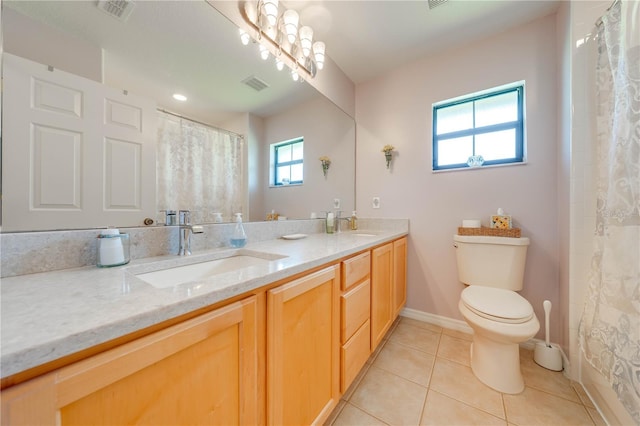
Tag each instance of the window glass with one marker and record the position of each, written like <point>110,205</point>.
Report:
<point>496,145</point>
<point>287,159</point>
<point>455,117</point>
<point>497,109</point>
<point>454,151</point>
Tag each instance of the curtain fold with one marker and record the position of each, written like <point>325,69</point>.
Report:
<point>199,169</point>
<point>610,324</point>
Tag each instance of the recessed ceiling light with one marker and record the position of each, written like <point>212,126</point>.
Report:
<point>179,97</point>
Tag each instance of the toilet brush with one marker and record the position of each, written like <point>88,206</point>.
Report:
<point>544,354</point>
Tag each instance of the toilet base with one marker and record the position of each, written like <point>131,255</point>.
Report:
<point>496,364</point>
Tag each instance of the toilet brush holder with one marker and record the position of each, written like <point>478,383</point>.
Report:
<point>545,354</point>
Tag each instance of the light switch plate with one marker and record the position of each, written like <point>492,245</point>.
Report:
<point>376,202</point>
<point>336,203</point>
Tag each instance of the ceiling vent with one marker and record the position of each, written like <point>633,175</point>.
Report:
<point>119,9</point>
<point>255,83</point>
<point>436,3</point>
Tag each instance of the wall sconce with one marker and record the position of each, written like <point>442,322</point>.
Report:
<point>326,162</point>
<point>388,153</point>
<point>283,31</point>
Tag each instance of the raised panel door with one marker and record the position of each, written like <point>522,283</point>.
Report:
<point>399,274</point>
<point>382,312</point>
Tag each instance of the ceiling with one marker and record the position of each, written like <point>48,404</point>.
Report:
<point>162,40</point>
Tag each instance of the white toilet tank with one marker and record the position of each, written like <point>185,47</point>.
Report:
<point>491,261</point>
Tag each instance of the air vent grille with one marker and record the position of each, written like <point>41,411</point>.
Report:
<point>436,3</point>
<point>255,83</point>
<point>119,9</point>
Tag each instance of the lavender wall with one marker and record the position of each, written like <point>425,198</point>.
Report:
<point>396,109</point>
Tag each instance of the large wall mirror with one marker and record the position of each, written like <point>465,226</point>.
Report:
<point>169,47</point>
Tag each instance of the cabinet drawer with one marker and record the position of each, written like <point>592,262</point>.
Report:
<point>354,355</point>
<point>355,307</point>
<point>355,270</point>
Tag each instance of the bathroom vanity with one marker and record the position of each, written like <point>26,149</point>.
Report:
<point>276,342</point>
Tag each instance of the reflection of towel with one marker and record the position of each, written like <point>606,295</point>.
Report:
<point>501,222</point>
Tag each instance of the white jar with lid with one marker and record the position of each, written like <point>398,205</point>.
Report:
<point>113,248</point>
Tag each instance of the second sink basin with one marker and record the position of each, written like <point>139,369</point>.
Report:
<point>177,275</point>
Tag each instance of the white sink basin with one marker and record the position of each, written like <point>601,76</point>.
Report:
<point>364,234</point>
<point>171,277</point>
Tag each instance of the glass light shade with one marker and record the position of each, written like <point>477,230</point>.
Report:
<point>244,37</point>
<point>264,52</point>
<point>294,75</point>
<point>318,53</point>
<point>291,19</point>
<point>270,9</point>
<point>279,64</point>
<point>306,38</point>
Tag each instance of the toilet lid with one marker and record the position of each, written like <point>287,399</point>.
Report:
<point>497,304</point>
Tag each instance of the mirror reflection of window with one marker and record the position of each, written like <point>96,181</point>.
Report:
<point>287,159</point>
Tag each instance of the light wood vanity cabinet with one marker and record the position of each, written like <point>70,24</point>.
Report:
<point>355,307</point>
<point>201,371</point>
<point>303,329</point>
<point>281,356</point>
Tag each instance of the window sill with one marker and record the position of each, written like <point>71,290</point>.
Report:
<point>491,166</point>
<point>286,186</point>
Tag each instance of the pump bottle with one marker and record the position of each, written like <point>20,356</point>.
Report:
<point>238,238</point>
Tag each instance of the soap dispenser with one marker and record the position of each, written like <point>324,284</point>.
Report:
<point>353,222</point>
<point>239,238</point>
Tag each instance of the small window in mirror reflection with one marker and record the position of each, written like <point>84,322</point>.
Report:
<point>287,160</point>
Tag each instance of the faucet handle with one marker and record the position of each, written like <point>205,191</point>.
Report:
<point>185,217</point>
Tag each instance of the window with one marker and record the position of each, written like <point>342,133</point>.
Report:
<point>287,160</point>
<point>488,124</point>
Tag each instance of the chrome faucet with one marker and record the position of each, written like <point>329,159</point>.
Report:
<point>185,229</point>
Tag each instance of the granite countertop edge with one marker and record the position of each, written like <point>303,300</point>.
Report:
<point>50,315</point>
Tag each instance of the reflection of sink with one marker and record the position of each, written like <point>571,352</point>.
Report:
<point>361,234</point>
<point>177,275</point>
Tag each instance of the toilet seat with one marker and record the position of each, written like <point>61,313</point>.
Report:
<point>497,304</point>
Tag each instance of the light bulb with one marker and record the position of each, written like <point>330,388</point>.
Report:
<point>270,9</point>
<point>318,53</point>
<point>291,19</point>
<point>264,52</point>
<point>244,37</point>
<point>306,38</point>
<point>279,64</point>
<point>294,75</point>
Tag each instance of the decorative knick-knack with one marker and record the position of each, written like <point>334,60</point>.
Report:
<point>326,162</point>
<point>388,153</point>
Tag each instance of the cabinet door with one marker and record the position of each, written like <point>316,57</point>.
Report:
<point>399,275</point>
<point>382,311</point>
<point>303,342</point>
<point>202,371</point>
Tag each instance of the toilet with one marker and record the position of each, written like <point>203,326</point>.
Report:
<point>501,319</point>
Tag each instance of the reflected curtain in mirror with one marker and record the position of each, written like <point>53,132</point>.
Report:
<point>200,168</point>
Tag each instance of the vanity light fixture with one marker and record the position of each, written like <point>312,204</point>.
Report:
<point>179,97</point>
<point>283,35</point>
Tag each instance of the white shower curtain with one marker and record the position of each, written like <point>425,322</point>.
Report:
<point>199,168</point>
<point>610,324</point>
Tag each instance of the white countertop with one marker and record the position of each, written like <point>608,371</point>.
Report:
<point>50,315</point>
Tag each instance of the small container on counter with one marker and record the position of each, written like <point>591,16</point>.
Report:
<point>113,248</point>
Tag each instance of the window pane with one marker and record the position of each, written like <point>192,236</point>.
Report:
<point>283,172</point>
<point>454,151</point>
<point>455,117</point>
<point>284,153</point>
<point>496,145</point>
<point>497,109</point>
<point>296,173</point>
<point>297,151</point>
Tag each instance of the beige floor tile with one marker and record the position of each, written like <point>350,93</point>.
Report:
<point>457,334</point>
<point>406,362</point>
<point>353,416</point>
<point>534,407</point>
<point>457,381</point>
<point>442,410</point>
<point>540,378</point>
<point>454,349</point>
<point>418,338</point>
<point>352,387</point>
<point>389,398</point>
<point>421,324</point>
<point>596,417</point>
<point>582,394</point>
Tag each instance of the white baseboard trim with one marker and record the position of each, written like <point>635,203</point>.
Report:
<point>439,320</point>
<point>460,325</point>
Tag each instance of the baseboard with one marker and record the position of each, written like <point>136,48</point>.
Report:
<point>439,320</point>
<point>460,325</point>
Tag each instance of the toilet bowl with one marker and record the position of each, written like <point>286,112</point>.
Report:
<point>501,320</point>
<point>492,268</point>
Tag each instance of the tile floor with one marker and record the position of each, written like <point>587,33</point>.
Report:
<point>420,375</point>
